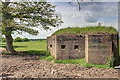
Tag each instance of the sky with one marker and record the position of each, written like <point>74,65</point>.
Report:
<point>91,14</point>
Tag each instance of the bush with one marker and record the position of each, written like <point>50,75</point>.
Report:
<point>25,40</point>
<point>18,39</point>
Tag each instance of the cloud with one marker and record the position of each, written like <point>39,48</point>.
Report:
<point>97,10</point>
<point>91,19</point>
<point>90,12</point>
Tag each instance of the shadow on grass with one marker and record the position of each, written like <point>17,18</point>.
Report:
<point>30,52</point>
<point>2,43</point>
<point>14,46</point>
<point>35,52</point>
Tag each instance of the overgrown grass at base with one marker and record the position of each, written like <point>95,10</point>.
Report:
<point>80,62</point>
<point>47,58</point>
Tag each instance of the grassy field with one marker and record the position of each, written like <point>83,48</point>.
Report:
<point>31,45</point>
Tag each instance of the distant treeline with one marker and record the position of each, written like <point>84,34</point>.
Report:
<point>18,39</point>
<point>37,39</point>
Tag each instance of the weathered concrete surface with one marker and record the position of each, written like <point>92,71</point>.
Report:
<point>70,41</point>
<point>74,46</point>
<point>99,49</point>
<point>26,66</point>
<point>51,45</point>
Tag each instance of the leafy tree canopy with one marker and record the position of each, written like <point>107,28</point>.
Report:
<point>24,16</point>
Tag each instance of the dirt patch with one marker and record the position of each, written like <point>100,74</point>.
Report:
<point>28,66</point>
<point>3,50</point>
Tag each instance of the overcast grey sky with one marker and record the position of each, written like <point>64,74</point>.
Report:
<point>90,14</point>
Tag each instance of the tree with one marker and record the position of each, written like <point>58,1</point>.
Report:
<point>18,39</point>
<point>25,40</point>
<point>24,17</point>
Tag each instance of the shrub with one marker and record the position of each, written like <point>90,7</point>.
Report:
<point>25,40</point>
<point>18,39</point>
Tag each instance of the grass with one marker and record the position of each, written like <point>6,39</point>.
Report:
<point>47,58</point>
<point>80,62</point>
<point>29,46</point>
<point>85,30</point>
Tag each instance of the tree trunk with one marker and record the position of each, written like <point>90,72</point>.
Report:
<point>9,44</point>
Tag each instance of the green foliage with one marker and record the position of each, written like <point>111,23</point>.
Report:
<point>47,58</point>
<point>25,40</point>
<point>68,61</point>
<point>85,30</point>
<point>27,15</point>
<point>80,62</point>
<point>110,62</point>
<point>18,39</point>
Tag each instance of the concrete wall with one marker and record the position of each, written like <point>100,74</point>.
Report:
<point>98,48</point>
<point>86,48</point>
<point>51,45</point>
<point>71,42</point>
